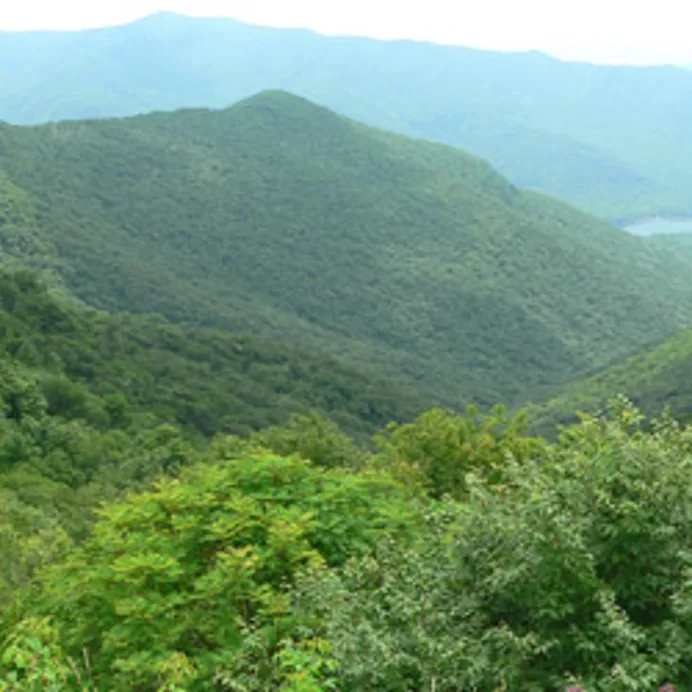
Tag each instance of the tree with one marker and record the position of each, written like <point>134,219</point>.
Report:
<point>195,566</point>
<point>440,448</point>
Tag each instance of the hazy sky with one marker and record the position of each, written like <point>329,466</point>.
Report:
<point>636,31</point>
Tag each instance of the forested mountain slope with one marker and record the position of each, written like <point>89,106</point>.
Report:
<point>281,218</point>
<point>207,382</point>
<point>656,378</point>
<point>582,132</point>
<point>679,243</point>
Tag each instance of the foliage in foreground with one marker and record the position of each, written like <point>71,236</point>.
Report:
<point>184,572</point>
<point>575,570</point>
<point>252,571</point>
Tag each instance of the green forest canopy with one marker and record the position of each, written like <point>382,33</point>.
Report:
<point>501,562</point>
<point>204,381</point>
<point>453,548</point>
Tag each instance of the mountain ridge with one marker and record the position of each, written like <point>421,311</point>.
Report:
<point>592,151</point>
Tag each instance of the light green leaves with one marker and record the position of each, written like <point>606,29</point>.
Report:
<point>189,567</point>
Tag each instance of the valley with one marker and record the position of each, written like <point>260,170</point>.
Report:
<point>655,379</point>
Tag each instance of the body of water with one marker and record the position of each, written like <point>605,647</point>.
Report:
<point>660,226</point>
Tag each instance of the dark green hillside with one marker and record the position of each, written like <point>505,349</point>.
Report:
<point>206,381</point>
<point>614,140</point>
<point>653,379</point>
<point>280,218</point>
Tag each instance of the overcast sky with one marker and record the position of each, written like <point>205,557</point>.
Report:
<point>626,31</point>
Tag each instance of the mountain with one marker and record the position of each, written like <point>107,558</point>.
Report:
<point>613,140</point>
<point>655,378</point>
<point>279,218</point>
<point>205,381</point>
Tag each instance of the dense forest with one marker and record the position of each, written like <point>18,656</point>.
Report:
<point>181,511</point>
<point>292,404</point>
<point>613,140</point>
<point>279,218</point>
<point>680,243</point>
<point>203,381</point>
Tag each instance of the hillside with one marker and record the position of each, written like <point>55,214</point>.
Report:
<point>279,218</point>
<point>578,131</point>
<point>679,243</point>
<point>207,382</point>
<point>653,379</point>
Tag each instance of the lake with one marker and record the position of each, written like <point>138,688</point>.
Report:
<point>660,226</point>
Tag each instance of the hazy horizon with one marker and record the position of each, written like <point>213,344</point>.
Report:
<point>586,31</point>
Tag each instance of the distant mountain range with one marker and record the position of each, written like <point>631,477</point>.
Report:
<point>613,140</point>
<point>280,218</point>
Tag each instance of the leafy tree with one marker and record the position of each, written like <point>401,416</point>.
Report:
<point>20,396</point>
<point>189,568</point>
<point>440,448</point>
<point>29,538</point>
<point>33,661</point>
<point>313,437</point>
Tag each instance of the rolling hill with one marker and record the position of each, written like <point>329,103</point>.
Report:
<point>279,218</point>
<point>613,140</point>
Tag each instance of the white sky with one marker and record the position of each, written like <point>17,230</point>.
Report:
<point>635,31</point>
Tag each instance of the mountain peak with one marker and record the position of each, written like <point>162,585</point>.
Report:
<point>284,106</point>
<point>166,18</point>
<point>279,98</point>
